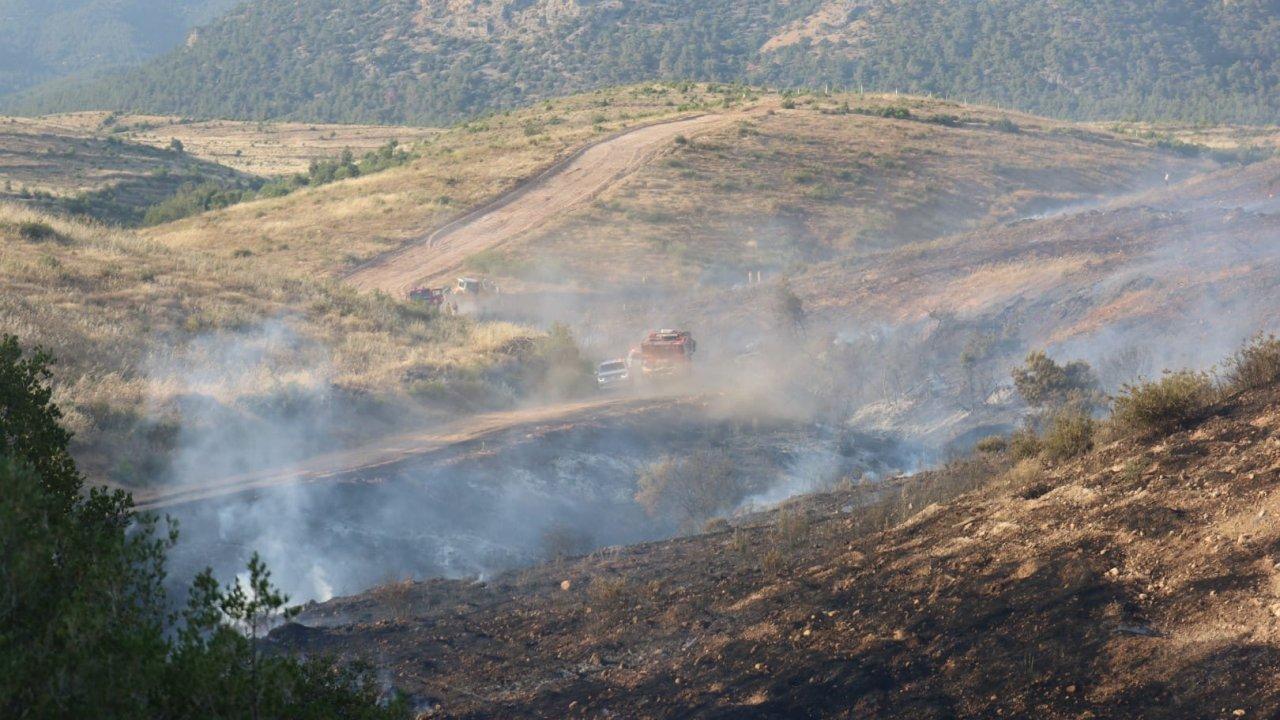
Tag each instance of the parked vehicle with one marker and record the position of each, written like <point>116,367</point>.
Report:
<point>613,375</point>
<point>666,353</point>
<point>431,296</point>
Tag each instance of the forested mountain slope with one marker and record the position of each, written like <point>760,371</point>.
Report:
<point>46,39</point>
<point>428,61</point>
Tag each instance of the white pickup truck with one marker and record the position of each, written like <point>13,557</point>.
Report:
<point>613,375</point>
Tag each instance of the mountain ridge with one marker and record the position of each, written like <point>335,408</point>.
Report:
<point>427,62</point>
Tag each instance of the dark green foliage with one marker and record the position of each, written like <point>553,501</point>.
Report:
<point>193,199</point>
<point>555,367</point>
<point>897,113</point>
<point>85,626</point>
<point>788,308</point>
<point>992,444</point>
<point>1024,443</point>
<point>1044,384</point>
<point>30,432</point>
<point>362,60</point>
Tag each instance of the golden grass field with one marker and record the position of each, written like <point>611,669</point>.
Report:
<point>782,187</point>
<point>333,228</point>
<point>130,322</point>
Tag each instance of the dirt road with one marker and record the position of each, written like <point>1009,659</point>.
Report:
<point>408,447</point>
<point>564,187</point>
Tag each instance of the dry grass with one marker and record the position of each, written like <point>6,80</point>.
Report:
<point>257,148</point>
<point>333,228</point>
<point>136,326</point>
<point>786,187</point>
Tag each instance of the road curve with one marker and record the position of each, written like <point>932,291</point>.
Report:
<point>564,187</point>
<point>409,447</point>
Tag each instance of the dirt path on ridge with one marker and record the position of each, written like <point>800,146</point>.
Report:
<point>563,187</point>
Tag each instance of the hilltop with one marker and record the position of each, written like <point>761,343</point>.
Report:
<point>1136,580</point>
<point>435,62</point>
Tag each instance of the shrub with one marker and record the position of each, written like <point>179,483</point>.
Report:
<point>1070,434</point>
<point>1006,125</point>
<point>1045,384</point>
<point>1255,365</point>
<point>1164,405</point>
<point>1024,444</point>
<point>716,525</point>
<point>36,231</point>
<point>560,541</point>
<point>793,527</point>
<point>689,490</point>
<point>608,592</point>
<point>992,444</point>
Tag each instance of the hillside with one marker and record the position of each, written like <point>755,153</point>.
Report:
<point>217,360</point>
<point>58,38</point>
<point>434,62</point>
<point>113,168</point>
<point>766,182</point>
<point>785,187</point>
<point>1139,580</point>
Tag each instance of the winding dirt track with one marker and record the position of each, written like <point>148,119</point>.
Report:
<point>387,453</point>
<point>560,189</point>
<point>563,187</point>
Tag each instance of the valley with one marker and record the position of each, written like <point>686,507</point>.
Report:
<point>861,272</point>
<point>764,359</point>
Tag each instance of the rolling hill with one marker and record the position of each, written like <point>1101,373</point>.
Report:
<point>433,62</point>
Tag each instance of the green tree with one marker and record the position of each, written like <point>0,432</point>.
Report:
<point>29,421</point>
<point>85,625</point>
<point>1046,385</point>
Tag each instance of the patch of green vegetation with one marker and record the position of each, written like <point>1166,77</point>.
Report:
<point>89,630</point>
<point>192,198</point>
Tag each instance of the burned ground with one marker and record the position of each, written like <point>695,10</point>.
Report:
<point>1138,581</point>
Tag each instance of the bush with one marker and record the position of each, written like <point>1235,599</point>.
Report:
<point>1070,434</point>
<point>36,231</point>
<point>1255,365</point>
<point>1006,125</point>
<point>992,444</point>
<point>1165,405</point>
<point>1024,444</point>
<point>1044,384</point>
<point>689,490</point>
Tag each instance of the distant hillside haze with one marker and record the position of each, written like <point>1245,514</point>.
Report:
<point>436,61</point>
<point>43,40</point>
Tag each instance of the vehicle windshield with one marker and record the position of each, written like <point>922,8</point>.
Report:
<point>612,366</point>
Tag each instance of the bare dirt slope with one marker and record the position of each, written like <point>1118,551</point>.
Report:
<point>564,187</point>
<point>1138,581</point>
<point>396,449</point>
